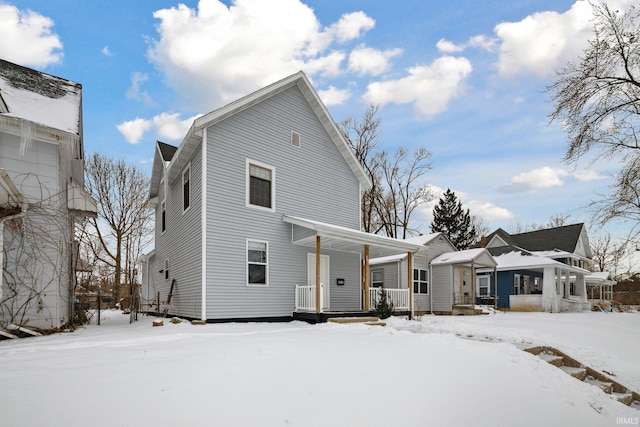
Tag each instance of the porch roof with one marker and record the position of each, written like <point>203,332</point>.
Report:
<point>480,257</point>
<point>520,259</point>
<point>345,239</point>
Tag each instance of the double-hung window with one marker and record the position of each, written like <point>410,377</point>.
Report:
<point>483,284</point>
<point>420,281</point>
<point>377,278</point>
<point>260,185</point>
<point>186,189</point>
<point>257,263</point>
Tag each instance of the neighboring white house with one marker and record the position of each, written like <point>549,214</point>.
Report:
<point>258,214</point>
<point>41,195</point>
<point>600,289</point>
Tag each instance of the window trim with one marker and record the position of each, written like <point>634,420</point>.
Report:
<point>480,278</point>
<point>247,262</point>
<point>166,269</point>
<point>414,282</point>
<point>250,162</point>
<point>187,171</point>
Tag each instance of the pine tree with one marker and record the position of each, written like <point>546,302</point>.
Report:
<point>383,307</point>
<point>454,222</point>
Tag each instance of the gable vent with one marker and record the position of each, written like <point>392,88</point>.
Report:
<point>295,139</point>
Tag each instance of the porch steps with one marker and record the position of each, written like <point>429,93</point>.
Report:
<point>589,375</point>
<point>371,320</point>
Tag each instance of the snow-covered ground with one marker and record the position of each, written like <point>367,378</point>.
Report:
<point>438,370</point>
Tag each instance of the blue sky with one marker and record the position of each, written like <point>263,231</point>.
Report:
<point>466,80</point>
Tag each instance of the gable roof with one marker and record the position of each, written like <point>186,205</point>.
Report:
<point>564,238</point>
<point>163,155</point>
<point>40,98</point>
<point>299,79</point>
<point>479,256</point>
<point>166,151</point>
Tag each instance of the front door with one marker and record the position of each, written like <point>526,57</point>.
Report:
<point>324,276</point>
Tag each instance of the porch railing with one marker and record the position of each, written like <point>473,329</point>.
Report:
<point>399,297</point>
<point>306,297</point>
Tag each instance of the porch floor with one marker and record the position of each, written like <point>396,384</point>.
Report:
<point>313,317</point>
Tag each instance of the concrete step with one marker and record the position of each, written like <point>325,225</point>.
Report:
<point>553,359</point>
<point>605,386</point>
<point>370,319</point>
<point>579,373</point>
<point>626,398</point>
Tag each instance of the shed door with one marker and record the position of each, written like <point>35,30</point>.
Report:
<point>324,276</point>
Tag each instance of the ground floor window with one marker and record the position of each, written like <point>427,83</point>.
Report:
<point>420,281</point>
<point>483,285</point>
<point>257,266</point>
<point>377,278</point>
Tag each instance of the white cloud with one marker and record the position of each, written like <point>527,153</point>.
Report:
<point>429,87</point>
<point>167,126</point>
<point>544,41</point>
<point>351,26</point>
<point>106,51</point>
<point>135,91</point>
<point>334,96</point>
<point>447,46</point>
<point>481,42</point>
<point>488,211</point>
<point>133,130</point>
<point>27,39</point>
<point>366,60</point>
<point>213,54</point>
<point>588,175</point>
<point>536,179</point>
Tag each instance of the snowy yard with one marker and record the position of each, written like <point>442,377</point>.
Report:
<point>435,371</point>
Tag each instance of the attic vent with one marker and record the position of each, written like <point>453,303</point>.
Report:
<point>295,139</point>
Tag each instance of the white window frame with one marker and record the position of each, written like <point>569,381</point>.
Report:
<point>481,278</point>
<point>373,282</point>
<point>413,281</point>
<point>295,134</point>
<point>516,288</point>
<point>187,171</point>
<point>266,264</point>
<point>250,162</point>
<point>166,269</point>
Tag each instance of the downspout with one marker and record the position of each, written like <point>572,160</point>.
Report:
<point>431,287</point>
<point>203,207</point>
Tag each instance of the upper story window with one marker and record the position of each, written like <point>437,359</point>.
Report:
<point>260,185</point>
<point>164,216</point>
<point>186,189</point>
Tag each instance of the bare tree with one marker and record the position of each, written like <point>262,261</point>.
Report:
<point>397,188</point>
<point>123,226</point>
<point>598,102</point>
<point>609,255</point>
<point>555,220</point>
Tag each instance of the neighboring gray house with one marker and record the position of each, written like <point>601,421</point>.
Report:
<point>41,195</point>
<point>391,272</point>
<point>258,205</point>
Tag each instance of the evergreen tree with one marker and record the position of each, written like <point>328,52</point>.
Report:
<point>450,219</point>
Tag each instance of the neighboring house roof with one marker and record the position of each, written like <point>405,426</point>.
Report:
<point>514,258</point>
<point>424,239</point>
<point>565,238</point>
<point>599,278</point>
<point>479,256</point>
<point>299,79</point>
<point>40,98</point>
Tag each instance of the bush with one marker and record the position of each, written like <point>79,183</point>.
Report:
<point>384,307</point>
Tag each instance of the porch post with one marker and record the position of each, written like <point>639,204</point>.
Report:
<point>473,283</point>
<point>495,287</point>
<point>410,282</point>
<point>366,274</point>
<point>318,293</point>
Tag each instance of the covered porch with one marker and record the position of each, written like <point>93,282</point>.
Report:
<point>600,290</point>
<point>312,300</point>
